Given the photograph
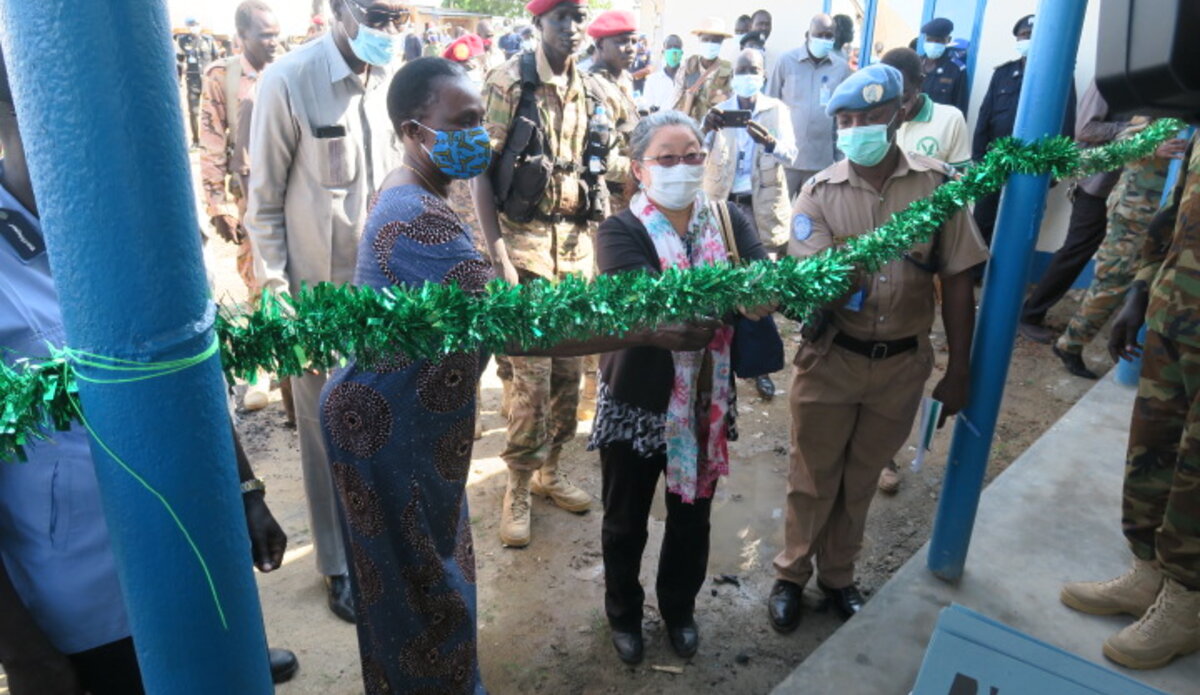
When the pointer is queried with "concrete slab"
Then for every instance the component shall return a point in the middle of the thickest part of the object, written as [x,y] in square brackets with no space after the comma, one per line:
[1053,516]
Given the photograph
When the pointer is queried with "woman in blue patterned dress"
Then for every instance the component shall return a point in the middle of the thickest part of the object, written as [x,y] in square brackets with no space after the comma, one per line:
[398,430]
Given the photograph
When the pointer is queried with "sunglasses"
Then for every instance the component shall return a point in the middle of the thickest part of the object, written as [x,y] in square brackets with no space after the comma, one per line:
[669,160]
[376,18]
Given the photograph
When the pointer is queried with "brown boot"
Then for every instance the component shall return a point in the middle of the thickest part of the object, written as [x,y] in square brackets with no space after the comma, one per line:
[1131,593]
[587,398]
[889,478]
[1170,628]
[514,515]
[550,482]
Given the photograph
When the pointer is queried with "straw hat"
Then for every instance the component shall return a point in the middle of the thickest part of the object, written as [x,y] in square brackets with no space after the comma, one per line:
[712,25]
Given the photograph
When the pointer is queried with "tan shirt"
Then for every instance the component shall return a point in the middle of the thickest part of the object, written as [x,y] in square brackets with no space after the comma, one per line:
[320,144]
[898,301]
[219,161]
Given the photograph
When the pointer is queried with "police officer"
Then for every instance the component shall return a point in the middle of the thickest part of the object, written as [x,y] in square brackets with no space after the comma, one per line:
[859,381]
[551,245]
[193,52]
[998,113]
[945,75]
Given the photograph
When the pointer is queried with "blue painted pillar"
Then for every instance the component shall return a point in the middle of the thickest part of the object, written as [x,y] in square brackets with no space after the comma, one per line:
[827,6]
[927,11]
[99,108]
[1040,113]
[866,53]
[976,34]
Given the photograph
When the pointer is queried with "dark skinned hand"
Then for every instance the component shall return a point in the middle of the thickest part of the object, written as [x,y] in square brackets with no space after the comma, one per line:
[685,337]
[228,228]
[953,391]
[715,120]
[1123,342]
[760,135]
[51,674]
[267,539]
[1171,149]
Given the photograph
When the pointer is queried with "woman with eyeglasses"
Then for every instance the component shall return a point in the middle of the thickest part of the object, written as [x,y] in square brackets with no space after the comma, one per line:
[663,412]
[399,430]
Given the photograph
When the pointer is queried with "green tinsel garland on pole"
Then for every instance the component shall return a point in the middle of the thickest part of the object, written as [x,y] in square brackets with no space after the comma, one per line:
[322,325]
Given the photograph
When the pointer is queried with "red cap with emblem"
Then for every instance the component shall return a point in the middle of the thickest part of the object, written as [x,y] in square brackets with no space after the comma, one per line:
[463,48]
[541,7]
[611,23]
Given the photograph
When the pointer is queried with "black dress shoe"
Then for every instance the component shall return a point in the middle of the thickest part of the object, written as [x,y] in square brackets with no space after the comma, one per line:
[1073,361]
[685,639]
[847,601]
[629,646]
[784,605]
[766,387]
[283,665]
[341,602]
[1036,332]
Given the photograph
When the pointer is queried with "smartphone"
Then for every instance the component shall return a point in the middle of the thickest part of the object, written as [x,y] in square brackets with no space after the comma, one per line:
[736,118]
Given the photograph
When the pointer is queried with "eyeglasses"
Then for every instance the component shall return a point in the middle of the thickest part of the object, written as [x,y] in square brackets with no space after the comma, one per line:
[376,18]
[669,160]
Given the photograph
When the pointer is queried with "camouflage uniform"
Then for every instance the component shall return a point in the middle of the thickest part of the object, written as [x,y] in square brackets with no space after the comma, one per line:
[716,87]
[1131,206]
[545,389]
[1161,497]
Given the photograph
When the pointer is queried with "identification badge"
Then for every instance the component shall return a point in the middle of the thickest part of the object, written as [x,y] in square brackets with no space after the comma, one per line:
[801,227]
[20,233]
[855,303]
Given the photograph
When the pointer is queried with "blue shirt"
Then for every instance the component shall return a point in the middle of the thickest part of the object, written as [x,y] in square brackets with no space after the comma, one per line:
[53,538]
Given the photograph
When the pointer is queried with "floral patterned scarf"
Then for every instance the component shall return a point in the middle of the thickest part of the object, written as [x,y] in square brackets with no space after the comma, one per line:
[697,432]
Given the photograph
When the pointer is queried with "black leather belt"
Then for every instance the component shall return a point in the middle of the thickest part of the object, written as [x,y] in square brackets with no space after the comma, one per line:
[878,349]
[741,198]
[556,218]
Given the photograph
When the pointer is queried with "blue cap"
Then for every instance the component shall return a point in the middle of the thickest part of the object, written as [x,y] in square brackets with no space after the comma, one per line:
[873,85]
[938,27]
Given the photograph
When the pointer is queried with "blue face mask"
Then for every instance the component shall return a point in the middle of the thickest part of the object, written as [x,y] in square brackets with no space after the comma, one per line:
[373,46]
[710,49]
[460,154]
[820,48]
[746,85]
[864,145]
[933,51]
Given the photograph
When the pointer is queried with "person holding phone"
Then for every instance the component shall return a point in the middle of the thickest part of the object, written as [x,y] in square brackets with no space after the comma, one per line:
[750,140]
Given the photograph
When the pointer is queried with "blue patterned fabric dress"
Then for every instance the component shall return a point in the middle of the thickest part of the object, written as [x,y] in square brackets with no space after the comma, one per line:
[399,440]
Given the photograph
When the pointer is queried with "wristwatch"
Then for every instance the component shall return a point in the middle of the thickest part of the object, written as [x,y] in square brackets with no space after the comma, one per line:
[253,485]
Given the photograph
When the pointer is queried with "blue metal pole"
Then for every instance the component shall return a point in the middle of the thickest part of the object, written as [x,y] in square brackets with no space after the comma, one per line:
[927,11]
[1040,113]
[99,108]
[976,33]
[827,6]
[868,38]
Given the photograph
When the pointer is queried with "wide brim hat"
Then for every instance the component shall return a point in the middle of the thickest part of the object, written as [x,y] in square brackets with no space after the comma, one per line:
[712,25]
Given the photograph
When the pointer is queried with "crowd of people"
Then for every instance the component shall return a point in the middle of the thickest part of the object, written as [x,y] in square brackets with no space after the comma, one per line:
[374,155]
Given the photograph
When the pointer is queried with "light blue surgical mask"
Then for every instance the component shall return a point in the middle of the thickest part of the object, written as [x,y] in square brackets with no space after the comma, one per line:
[933,50]
[710,49]
[746,86]
[820,48]
[1023,47]
[865,145]
[373,46]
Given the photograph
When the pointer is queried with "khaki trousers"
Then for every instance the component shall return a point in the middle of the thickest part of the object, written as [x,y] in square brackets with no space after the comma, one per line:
[323,517]
[850,415]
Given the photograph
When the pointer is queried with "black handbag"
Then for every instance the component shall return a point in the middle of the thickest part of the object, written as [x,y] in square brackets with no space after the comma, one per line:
[757,347]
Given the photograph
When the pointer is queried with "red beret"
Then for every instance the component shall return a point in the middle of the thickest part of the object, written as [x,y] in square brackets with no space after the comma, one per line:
[463,48]
[611,23]
[541,7]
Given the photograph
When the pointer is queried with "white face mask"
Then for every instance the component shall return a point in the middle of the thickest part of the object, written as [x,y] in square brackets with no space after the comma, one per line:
[674,188]
[1023,47]
[710,49]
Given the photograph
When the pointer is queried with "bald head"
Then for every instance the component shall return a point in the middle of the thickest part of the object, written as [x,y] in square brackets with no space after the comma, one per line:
[822,26]
[749,62]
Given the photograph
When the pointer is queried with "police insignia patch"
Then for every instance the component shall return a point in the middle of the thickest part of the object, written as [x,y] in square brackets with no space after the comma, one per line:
[872,93]
[801,227]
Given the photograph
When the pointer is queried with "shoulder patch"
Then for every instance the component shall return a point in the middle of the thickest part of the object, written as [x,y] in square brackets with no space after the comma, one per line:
[801,227]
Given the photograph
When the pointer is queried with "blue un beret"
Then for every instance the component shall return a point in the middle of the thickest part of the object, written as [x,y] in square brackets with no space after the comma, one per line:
[873,85]
[938,27]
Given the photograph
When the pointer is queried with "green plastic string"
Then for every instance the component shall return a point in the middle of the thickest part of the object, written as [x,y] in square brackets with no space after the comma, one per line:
[322,326]
[147,370]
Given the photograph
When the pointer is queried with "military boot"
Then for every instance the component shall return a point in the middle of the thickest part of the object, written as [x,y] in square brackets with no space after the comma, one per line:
[1131,593]
[587,398]
[1170,628]
[550,482]
[514,515]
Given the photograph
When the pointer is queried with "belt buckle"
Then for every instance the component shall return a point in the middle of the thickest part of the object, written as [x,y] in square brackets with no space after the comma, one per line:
[879,351]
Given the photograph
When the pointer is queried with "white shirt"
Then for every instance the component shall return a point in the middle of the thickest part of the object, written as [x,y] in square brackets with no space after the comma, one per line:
[320,145]
[938,131]
[785,145]
[659,91]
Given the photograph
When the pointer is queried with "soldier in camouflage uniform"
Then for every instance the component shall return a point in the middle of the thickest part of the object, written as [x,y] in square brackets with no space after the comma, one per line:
[1131,205]
[1161,498]
[545,390]
[703,80]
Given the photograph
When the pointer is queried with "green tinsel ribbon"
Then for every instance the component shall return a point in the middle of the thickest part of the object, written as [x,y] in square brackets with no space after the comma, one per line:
[323,325]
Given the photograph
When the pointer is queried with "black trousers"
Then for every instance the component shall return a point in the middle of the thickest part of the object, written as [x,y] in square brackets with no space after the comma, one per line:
[110,669]
[629,482]
[1089,219]
[984,213]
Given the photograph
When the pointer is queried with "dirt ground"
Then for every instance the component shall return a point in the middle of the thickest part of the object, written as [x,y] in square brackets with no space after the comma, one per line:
[541,621]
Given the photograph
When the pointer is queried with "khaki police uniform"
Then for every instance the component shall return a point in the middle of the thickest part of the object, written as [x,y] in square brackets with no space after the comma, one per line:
[852,412]
[545,390]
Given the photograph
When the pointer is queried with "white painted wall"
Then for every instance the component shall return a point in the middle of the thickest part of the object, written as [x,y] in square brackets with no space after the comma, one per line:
[217,15]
